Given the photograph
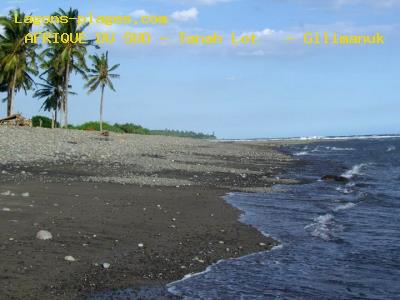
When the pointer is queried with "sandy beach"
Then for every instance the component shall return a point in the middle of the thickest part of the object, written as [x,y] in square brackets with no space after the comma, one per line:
[149,206]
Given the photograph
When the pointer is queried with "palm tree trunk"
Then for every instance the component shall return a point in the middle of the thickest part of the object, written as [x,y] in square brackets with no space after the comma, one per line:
[55,117]
[101,108]
[65,104]
[52,119]
[10,95]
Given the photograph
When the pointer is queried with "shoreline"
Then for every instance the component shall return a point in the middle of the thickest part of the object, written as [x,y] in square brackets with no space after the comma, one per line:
[114,194]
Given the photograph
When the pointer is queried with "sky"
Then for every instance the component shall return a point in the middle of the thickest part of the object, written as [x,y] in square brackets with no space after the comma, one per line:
[276,88]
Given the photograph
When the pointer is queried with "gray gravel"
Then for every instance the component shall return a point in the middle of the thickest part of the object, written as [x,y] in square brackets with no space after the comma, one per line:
[137,159]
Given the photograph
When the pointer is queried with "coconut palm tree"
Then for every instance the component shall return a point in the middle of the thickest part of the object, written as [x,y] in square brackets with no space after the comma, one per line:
[66,58]
[17,58]
[100,76]
[52,91]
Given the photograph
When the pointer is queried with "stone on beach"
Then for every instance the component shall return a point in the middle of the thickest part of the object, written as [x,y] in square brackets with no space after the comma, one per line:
[6,209]
[44,235]
[106,265]
[69,258]
[25,194]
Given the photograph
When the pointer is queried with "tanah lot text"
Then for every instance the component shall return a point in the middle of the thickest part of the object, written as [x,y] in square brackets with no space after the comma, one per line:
[138,38]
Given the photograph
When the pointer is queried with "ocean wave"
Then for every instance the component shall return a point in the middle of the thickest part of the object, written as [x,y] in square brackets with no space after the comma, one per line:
[322,227]
[355,170]
[340,149]
[391,148]
[345,190]
[277,247]
[301,153]
[321,148]
[172,286]
[355,137]
[344,206]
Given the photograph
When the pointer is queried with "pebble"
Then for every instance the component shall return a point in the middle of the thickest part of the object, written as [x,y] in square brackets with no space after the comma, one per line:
[106,265]
[140,245]
[25,194]
[44,235]
[69,258]
[6,209]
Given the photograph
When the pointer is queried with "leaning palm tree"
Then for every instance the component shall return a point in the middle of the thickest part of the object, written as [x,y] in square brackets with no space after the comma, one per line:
[17,58]
[65,58]
[100,76]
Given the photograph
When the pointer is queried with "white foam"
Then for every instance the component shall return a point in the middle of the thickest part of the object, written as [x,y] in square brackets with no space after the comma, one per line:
[321,227]
[306,138]
[356,170]
[301,153]
[171,288]
[391,148]
[324,219]
[278,247]
[340,149]
[357,137]
[344,206]
[344,190]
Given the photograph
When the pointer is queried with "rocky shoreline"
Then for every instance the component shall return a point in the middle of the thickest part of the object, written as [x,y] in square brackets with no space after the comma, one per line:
[149,206]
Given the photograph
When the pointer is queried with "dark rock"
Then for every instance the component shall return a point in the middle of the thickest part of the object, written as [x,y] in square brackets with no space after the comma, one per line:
[335,178]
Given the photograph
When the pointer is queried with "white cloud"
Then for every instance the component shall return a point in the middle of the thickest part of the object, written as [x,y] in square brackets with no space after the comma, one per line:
[261,34]
[139,13]
[185,15]
[252,53]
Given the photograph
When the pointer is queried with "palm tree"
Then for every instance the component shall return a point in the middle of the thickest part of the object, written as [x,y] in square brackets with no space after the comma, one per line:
[100,76]
[65,58]
[17,58]
[52,91]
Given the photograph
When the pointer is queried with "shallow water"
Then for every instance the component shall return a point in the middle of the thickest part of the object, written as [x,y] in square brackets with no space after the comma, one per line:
[339,241]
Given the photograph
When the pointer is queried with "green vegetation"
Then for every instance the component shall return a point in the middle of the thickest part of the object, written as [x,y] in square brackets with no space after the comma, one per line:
[100,76]
[61,59]
[181,133]
[130,128]
[133,129]
[17,59]
[41,121]
[95,126]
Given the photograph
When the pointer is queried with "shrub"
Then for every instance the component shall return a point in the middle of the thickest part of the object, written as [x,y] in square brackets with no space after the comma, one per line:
[46,122]
[132,128]
[182,133]
[96,127]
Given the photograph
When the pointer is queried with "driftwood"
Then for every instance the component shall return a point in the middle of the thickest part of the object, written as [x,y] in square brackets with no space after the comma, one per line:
[16,120]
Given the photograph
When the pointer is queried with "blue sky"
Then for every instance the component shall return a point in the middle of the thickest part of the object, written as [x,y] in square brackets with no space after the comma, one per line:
[273,89]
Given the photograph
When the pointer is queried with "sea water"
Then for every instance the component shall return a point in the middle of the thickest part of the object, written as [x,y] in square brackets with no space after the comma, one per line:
[338,240]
